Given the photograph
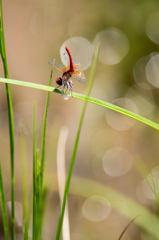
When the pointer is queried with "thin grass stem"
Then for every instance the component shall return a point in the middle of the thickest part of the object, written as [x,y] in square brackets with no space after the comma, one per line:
[90,83]
[10,116]
[3,208]
[34,172]
[24,179]
[127,227]
[44,130]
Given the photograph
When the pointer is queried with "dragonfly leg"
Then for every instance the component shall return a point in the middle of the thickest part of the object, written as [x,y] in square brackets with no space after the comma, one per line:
[58,86]
[71,86]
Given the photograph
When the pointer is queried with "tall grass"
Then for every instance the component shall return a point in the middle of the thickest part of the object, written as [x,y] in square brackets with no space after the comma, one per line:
[25,192]
[10,116]
[40,190]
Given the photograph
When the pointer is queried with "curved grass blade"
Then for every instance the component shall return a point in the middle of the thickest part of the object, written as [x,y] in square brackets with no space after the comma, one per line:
[127,227]
[85,98]
[10,116]
[90,83]
[87,188]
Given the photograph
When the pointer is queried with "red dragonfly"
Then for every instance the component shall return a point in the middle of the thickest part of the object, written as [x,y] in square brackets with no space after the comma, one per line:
[68,71]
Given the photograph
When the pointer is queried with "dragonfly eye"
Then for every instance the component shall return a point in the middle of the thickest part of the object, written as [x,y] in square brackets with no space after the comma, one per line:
[59,81]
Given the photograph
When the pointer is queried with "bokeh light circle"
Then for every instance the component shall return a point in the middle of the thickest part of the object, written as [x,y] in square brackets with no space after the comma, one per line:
[141,195]
[119,121]
[81,49]
[152,27]
[139,70]
[152,70]
[114,45]
[145,105]
[96,208]
[148,189]
[117,161]
[105,139]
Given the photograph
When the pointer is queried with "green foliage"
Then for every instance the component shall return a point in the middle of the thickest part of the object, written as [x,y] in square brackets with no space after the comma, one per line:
[148,220]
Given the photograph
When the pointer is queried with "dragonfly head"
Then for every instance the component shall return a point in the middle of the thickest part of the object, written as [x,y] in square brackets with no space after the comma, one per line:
[59,81]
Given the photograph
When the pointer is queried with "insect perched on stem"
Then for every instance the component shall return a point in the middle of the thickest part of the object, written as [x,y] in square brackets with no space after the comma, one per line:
[68,72]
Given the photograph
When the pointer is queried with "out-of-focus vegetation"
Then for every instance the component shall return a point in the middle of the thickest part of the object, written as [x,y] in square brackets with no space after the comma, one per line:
[114,151]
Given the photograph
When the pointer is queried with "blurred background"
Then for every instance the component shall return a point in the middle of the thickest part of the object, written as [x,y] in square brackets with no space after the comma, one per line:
[127,75]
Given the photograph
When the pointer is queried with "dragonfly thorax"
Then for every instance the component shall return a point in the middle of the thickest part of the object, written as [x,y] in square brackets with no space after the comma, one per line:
[66,76]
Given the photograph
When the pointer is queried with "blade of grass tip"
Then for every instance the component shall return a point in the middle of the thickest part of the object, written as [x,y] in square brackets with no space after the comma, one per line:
[3,208]
[34,172]
[10,116]
[127,227]
[117,109]
[24,180]
[44,129]
[85,98]
[90,83]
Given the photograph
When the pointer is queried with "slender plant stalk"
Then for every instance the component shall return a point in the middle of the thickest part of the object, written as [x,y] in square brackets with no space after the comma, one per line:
[10,115]
[3,208]
[24,179]
[44,131]
[85,98]
[41,199]
[38,195]
[90,83]
[127,227]
[34,173]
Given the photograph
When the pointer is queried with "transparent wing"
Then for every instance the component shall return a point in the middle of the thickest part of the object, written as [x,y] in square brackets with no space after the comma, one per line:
[79,76]
[76,63]
[59,66]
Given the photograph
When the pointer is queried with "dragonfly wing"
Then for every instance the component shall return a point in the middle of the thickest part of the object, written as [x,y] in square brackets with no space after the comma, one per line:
[79,76]
[59,66]
[75,66]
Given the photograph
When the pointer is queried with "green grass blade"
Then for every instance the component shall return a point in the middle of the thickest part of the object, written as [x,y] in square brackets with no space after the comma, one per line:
[3,208]
[38,195]
[90,83]
[85,98]
[44,131]
[117,109]
[10,116]
[34,172]
[24,179]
